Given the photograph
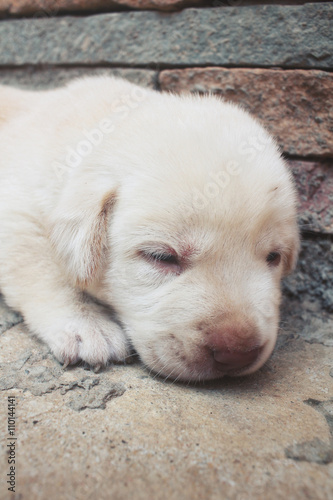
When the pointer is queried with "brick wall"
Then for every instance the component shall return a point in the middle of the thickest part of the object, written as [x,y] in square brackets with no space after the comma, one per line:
[276,59]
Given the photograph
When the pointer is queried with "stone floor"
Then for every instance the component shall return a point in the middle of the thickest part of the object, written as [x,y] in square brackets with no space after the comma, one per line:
[123,433]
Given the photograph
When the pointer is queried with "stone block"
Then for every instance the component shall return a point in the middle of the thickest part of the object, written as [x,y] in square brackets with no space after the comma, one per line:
[314,182]
[259,35]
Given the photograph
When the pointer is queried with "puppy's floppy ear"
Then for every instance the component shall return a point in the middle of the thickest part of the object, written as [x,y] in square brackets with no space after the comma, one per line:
[79,227]
[290,258]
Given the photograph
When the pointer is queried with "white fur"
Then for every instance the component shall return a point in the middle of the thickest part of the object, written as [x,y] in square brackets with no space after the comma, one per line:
[95,175]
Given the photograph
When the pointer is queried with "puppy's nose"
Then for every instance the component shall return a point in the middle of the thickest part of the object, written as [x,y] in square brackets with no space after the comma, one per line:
[235,360]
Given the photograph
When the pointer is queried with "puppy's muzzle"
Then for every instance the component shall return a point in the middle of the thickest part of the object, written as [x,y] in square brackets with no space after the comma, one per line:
[234,345]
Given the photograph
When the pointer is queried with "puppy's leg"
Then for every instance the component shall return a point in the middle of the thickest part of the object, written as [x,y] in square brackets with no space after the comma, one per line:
[34,283]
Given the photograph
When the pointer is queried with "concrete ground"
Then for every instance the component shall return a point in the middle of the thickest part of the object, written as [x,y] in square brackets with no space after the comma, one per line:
[123,433]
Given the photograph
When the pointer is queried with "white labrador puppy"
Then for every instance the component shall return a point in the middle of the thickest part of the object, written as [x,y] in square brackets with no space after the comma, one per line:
[177,212]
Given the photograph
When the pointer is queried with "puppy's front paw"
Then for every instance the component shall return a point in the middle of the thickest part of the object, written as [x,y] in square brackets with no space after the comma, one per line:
[93,338]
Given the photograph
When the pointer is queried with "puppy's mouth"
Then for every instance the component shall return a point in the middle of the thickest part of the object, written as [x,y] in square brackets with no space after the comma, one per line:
[209,365]
[235,363]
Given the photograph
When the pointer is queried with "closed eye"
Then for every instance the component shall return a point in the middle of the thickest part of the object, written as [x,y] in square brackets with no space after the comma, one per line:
[165,258]
[166,261]
[273,259]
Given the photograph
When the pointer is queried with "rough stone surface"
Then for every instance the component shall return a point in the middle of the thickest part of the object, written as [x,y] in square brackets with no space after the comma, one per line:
[37,372]
[311,451]
[318,329]
[8,317]
[289,36]
[252,438]
[316,450]
[314,182]
[43,78]
[295,105]
[55,7]
[311,285]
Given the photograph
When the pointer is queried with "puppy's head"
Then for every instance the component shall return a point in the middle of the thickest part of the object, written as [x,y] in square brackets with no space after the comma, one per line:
[202,230]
